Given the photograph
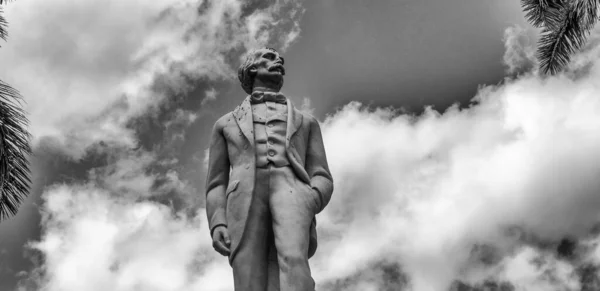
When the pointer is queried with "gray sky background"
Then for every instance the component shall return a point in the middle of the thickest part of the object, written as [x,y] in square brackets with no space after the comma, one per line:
[84,69]
[392,52]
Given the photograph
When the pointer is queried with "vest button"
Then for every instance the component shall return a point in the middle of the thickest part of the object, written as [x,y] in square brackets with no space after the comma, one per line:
[271,153]
[246,146]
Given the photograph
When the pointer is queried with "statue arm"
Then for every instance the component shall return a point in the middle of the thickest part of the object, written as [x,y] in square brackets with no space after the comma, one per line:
[217,178]
[316,165]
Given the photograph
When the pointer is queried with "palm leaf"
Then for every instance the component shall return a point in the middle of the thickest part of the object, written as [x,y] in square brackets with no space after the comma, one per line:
[3,25]
[558,43]
[542,13]
[588,12]
[566,36]
[14,144]
[14,152]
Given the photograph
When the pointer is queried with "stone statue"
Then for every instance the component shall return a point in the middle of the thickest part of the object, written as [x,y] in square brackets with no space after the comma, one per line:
[267,179]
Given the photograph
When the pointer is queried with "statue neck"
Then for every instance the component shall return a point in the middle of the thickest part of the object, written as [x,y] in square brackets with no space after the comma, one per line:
[266,87]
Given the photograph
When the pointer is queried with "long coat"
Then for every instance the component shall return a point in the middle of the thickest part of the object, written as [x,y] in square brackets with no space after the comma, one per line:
[232,165]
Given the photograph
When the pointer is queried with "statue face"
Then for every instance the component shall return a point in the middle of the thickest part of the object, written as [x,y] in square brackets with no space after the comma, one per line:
[268,66]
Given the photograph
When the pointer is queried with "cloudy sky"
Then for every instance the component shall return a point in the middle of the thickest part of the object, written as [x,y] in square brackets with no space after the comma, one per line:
[454,163]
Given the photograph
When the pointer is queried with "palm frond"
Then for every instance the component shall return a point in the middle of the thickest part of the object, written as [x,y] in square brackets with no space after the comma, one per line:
[14,152]
[3,25]
[587,10]
[558,43]
[542,13]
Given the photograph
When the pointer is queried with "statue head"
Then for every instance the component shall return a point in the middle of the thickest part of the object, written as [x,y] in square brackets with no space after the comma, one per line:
[264,65]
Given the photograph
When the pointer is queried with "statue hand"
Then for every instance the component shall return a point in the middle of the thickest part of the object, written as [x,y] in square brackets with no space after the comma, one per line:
[221,240]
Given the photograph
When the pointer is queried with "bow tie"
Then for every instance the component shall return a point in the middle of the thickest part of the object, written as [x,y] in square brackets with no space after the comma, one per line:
[260,97]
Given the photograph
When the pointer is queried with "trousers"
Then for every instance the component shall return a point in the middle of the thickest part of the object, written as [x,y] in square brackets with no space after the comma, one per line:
[273,255]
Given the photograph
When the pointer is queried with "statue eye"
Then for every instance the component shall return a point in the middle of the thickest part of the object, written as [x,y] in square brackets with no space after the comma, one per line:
[270,56]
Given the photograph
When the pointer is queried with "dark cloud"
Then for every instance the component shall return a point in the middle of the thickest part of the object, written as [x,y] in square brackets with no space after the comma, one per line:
[384,276]
[125,145]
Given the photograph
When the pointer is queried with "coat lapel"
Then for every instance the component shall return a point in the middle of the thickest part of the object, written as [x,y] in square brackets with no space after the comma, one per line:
[243,117]
[293,123]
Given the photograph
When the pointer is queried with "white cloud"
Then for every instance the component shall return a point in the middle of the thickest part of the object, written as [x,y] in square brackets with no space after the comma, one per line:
[205,159]
[179,122]
[86,69]
[210,95]
[294,32]
[547,275]
[519,55]
[125,172]
[94,241]
[424,191]
[306,106]
[134,174]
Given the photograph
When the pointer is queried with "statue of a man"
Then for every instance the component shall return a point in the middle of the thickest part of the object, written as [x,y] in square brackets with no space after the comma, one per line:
[267,179]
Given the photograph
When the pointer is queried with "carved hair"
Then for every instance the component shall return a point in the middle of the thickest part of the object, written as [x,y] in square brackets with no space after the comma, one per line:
[244,75]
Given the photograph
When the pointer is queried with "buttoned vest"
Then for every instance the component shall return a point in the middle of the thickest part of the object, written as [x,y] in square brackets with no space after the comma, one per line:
[270,125]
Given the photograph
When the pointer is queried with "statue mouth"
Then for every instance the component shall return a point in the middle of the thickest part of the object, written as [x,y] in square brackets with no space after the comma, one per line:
[277,68]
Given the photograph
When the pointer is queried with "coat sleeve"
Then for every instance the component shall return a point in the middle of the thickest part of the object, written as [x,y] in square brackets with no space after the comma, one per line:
[217,178]
[316,164]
